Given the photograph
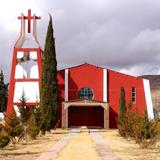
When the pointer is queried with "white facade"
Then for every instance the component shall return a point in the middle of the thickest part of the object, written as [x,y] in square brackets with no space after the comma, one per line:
[148,98]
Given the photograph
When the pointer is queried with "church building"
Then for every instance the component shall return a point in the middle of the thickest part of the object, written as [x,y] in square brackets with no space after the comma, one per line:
[88,95]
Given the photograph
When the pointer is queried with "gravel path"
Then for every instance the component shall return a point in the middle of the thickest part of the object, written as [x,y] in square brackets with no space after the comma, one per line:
[80,144]
[80,147]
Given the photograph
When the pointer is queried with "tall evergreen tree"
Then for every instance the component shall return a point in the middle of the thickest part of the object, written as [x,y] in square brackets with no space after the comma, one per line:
[122,102]
[49,87]
[3,93]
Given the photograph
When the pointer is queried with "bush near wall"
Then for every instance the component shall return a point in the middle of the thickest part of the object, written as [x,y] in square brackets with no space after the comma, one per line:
[138,127]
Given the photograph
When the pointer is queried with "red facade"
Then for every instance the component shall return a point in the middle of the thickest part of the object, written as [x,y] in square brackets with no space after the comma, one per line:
[85,76]
[90,76]
[115,82]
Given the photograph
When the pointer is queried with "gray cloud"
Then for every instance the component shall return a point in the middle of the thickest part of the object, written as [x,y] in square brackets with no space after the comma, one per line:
[123,35]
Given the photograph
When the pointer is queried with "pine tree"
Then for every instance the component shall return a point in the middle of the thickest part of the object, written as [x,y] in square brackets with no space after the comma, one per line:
[3,93]
[49,87]
[25,111]
[25,114]
[15,129]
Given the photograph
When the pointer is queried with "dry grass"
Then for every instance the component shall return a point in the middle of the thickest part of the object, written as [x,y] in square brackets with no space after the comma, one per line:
[79,148]
[34,148]
[127,149]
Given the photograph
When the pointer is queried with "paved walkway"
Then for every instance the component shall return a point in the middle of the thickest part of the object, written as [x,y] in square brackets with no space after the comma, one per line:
[80,147]
[80,144]
[52,153]
[101,147]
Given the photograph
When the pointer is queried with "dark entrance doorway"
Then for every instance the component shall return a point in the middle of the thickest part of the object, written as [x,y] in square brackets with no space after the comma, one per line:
[91,116]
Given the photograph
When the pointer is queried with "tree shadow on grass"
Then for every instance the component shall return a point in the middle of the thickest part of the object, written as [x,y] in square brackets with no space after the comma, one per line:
[59,132]
[20,154]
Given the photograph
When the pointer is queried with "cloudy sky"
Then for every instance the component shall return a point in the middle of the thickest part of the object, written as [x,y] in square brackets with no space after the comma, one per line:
[123,35]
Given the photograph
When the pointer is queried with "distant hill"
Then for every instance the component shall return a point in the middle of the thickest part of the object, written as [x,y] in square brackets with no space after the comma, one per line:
[154,81]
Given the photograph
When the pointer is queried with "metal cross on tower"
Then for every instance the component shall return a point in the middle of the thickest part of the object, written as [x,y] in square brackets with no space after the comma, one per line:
[29,18]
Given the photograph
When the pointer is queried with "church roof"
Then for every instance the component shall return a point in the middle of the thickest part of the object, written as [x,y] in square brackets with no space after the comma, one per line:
[83,64]
[87,64]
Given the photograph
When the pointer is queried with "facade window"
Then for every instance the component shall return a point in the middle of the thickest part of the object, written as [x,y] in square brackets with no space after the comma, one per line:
[133,95]
[85,93]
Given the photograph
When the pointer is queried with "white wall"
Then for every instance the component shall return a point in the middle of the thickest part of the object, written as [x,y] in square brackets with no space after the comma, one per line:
[31,90]
[148,98]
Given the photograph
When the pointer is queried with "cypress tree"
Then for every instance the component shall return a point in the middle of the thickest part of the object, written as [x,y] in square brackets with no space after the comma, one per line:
[3,93]
[122,102]
[49,87]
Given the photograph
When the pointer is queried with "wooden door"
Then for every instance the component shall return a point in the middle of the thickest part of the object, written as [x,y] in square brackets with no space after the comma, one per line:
[86,116]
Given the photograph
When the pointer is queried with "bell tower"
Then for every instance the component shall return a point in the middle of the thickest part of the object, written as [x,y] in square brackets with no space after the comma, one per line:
[26,68]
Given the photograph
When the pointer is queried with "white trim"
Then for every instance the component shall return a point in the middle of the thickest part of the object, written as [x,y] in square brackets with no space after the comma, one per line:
[148,97]
[66,85]
[105,85]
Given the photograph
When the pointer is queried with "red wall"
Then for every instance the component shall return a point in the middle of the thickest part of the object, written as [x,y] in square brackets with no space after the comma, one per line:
[91,76]
[85,76]
[80,76]
[61,94]
[115,81]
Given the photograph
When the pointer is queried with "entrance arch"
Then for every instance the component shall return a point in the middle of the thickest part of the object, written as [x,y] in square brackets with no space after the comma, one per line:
[88,110]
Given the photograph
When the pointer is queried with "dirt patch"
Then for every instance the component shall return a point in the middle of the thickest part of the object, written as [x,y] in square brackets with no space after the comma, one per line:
[33,148]
[127,149]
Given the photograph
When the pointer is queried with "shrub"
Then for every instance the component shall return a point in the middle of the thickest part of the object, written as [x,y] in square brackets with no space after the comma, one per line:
[4,140]
[33,129]
[15,129]
[140,128]
[125,123]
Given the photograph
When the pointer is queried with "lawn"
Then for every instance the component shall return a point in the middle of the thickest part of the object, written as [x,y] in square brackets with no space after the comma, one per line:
[33,148]
[129,150]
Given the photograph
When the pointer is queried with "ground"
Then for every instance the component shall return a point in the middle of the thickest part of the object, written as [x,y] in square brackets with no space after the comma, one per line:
[80,147]
[127,149]
[34,148]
